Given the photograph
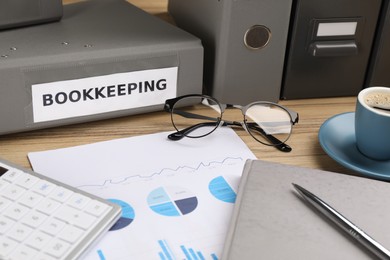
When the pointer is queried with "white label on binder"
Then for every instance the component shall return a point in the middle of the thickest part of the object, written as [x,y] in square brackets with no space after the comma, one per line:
[102,94]
[337,29]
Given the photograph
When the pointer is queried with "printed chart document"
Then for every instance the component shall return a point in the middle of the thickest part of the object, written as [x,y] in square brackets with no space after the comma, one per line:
[177,197]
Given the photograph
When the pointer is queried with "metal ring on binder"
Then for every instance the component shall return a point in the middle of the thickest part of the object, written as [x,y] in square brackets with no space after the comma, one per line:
[257,37]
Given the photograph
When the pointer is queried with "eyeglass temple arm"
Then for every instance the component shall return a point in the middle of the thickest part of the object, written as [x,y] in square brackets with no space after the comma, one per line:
[182,133]
[191,115]
[277,143]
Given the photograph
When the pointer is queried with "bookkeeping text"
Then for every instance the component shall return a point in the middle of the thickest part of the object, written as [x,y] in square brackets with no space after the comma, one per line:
[103,92]
[98,95]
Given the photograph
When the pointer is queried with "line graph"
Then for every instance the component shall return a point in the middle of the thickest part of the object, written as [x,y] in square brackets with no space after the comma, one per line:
[163,171]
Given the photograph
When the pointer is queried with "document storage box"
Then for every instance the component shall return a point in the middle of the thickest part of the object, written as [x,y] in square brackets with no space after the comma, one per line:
[330,46]
[378,73]
[244,43]
[103,59]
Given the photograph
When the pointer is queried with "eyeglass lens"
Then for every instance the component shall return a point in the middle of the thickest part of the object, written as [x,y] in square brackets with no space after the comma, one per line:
[201,114]
[198,116]
[268,123]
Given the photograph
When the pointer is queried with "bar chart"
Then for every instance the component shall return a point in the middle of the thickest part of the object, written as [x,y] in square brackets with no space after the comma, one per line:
[190,253]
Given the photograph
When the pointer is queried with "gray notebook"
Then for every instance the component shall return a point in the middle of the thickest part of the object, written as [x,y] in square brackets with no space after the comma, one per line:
[271,221]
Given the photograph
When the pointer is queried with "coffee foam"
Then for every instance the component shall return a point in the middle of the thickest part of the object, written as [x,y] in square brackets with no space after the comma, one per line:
[378,100]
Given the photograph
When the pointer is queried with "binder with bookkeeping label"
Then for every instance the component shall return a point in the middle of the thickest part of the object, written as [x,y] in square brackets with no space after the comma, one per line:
[103,59]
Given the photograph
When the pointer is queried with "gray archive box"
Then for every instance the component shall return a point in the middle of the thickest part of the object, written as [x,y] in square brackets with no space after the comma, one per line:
[103,59]
[378,73]
[15,13]
[330,46]
[244,43]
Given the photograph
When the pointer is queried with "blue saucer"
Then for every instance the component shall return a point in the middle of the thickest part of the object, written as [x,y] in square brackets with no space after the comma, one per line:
[337,138]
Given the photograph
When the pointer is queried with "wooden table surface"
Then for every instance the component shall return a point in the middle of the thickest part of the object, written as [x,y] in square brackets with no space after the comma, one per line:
[306,152]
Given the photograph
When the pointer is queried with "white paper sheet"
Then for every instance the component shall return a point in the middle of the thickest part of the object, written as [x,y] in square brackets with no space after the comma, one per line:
[177,197]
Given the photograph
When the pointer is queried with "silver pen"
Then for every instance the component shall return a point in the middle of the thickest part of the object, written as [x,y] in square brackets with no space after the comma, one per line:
[380,251]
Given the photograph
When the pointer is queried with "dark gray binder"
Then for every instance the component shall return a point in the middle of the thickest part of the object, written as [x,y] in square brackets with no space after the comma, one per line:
[94,39]
[271,221]
[244,42]
[378,73]
[329,47]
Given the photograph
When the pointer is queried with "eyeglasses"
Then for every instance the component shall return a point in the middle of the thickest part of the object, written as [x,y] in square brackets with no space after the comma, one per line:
[197,115]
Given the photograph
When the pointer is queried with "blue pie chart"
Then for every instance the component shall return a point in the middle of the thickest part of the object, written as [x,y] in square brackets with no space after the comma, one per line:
[222,190]
[172,201]
[127,217]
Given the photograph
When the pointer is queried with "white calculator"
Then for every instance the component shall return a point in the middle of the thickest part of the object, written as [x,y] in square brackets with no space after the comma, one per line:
[44,219]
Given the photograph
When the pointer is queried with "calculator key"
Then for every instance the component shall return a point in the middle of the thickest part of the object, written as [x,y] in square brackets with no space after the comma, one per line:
[43,187]
[11,175]
[78,201]
[26,180]
[30,199]
[71,234]
[38,239]
[4,202]
[5,224]
[16,211]
[47,206]
[6,246]
[52,226]
[13,192]
[19,232]
[23,252]
[33,219]
[3,184]
[61,194]
[75,217]
[57,248]
[96,208]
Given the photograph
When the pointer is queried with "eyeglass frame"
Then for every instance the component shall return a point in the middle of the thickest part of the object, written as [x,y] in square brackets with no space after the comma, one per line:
[170,103]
